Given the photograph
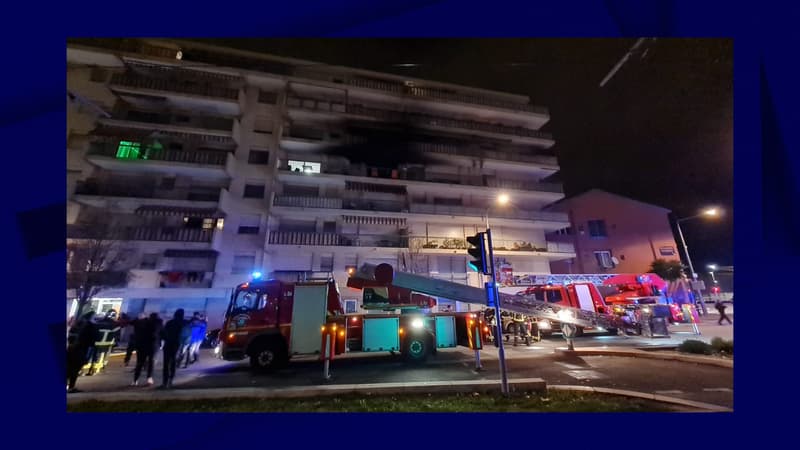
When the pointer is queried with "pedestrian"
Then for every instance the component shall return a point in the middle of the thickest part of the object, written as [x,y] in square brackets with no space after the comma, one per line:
[148,335]
[171,335]
[199,326]
[722,316]
[132,338]
[80,343]
[185,342]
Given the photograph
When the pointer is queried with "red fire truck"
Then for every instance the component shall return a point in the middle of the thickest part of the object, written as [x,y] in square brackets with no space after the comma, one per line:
[270,321]
[584,296]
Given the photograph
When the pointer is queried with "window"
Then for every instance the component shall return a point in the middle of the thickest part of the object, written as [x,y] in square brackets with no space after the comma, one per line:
[604,259]
[149,261]
[253,191]
[329,227]
[249,224]
[597,228]
[258,157]
[305,166]
[267,97]
[301,191]
[133,150]
[182,119]
[326,263]
[243,264]
[350,306]
[175,146]
[209,223]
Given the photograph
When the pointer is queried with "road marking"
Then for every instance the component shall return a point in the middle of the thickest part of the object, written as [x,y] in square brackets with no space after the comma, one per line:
[672,392]
[585,374]
[717,390]
[569,366]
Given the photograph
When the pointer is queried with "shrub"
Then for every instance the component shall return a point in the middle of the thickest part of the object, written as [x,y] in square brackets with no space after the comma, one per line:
[696,347]
[722,346]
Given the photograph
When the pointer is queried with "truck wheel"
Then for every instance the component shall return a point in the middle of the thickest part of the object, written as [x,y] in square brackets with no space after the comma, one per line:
[612,331]
[267,356]
[417,348]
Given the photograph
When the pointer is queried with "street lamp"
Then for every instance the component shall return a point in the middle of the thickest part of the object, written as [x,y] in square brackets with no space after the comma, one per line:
[712,268]
[502,200]
[708,212]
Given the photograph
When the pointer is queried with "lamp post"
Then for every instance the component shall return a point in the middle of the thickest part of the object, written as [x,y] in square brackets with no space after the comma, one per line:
[708,212]
[712,268]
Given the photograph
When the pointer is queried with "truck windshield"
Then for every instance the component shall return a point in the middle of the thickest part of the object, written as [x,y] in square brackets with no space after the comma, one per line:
[247,301]
[548,295]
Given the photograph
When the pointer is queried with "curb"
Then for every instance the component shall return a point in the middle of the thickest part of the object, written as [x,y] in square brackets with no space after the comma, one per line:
[726,363]
[484,386]
[655,397]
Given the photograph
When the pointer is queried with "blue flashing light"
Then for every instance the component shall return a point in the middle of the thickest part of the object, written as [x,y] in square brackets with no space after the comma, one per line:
[256,275]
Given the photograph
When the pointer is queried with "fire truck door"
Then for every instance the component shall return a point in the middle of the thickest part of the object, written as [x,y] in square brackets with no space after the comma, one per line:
[308,315]
[584,297]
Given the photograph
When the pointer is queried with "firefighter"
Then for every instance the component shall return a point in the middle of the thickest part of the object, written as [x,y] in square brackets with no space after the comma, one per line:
[81,341]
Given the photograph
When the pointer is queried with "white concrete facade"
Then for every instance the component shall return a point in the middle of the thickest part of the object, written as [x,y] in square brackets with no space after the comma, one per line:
[234,176]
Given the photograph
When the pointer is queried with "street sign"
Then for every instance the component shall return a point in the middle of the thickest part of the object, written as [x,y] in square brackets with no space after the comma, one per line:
[490,294]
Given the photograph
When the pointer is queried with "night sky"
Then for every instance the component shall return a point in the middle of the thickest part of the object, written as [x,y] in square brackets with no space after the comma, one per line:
[661,131]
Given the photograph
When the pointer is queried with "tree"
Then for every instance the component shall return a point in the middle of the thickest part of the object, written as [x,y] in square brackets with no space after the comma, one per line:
[416,261]
[668,270]
[96,259]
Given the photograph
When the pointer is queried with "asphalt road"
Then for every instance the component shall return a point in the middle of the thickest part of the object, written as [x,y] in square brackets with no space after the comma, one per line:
[697,382]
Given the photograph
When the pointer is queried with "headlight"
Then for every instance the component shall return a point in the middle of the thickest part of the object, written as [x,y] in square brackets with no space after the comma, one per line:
[565,315]
[544,324]
[416,323]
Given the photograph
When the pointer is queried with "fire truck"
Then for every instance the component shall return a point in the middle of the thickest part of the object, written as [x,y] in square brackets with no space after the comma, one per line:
[270,322]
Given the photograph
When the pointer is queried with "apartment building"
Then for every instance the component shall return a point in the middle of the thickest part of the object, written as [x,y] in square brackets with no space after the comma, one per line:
[613,234]
[214,163]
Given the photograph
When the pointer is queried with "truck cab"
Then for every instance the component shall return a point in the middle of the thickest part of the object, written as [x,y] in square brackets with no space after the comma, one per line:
[577,295]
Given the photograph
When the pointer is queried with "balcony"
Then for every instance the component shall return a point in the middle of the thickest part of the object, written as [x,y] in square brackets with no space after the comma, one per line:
[439,94]
[452,150]
[210,129]
[130,156]
[143,233]
[307,202]
[471,211]
[336,240]
[521,134]
[181,89]
[434,244]
[435,177]
[169,234]
[185,279]
[95,188]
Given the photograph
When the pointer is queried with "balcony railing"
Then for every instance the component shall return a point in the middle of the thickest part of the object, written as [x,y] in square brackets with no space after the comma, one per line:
[415,118]
[168,85]
[201,157]
[437,94]
[172,234]
[138,191]
[185,279]
[209,123]
[308,202]
[336,240]
[450,243]
[455,210]
[144,233]
[483,153]
[126,45]
[434,177]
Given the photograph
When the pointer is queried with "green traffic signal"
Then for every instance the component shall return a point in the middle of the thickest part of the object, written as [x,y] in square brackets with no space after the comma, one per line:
[478,251]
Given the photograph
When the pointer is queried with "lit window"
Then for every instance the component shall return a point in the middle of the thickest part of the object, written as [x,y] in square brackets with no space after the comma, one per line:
[305,166]
[129,150]
[604,259]
[208,224]
[220,223]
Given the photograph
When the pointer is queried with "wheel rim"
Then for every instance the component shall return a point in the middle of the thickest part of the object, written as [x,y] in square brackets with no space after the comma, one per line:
[265,358]
[416,348]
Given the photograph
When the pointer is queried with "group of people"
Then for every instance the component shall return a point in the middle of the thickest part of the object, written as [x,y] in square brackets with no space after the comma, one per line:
[179,338]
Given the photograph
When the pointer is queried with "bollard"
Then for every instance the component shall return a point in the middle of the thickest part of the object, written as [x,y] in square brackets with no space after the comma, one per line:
[478,366]
[327,366]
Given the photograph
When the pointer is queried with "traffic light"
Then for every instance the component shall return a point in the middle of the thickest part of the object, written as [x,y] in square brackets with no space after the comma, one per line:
[479,253]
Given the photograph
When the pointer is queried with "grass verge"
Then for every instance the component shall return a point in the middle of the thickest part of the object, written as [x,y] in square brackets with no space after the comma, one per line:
[553,401]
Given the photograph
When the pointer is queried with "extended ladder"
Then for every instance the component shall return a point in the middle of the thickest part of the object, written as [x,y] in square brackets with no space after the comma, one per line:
[523,304]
